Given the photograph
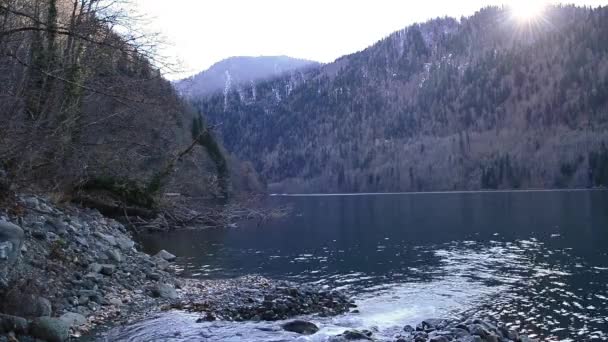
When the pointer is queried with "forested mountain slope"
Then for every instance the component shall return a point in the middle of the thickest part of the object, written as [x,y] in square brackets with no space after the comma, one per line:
[486,102]
[84,106]
[230,73]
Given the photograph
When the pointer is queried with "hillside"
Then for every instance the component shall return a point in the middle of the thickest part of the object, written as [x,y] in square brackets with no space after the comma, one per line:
[233,72]
[487,102]
[85,108]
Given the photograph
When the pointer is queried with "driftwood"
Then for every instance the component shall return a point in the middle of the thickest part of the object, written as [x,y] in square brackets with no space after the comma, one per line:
[114,209]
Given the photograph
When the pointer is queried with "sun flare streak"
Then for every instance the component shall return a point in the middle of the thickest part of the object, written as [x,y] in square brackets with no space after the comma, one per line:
[527,10]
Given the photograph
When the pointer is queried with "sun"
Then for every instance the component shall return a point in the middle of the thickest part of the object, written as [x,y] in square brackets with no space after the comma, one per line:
[527,10]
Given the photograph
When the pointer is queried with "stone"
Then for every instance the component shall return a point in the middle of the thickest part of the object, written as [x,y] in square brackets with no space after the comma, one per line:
[525,338]
[95,267]
[107,269]
[111,240]
[39,234]
[439,339]
[11,240]
[115,301]
[50,329]
[508,333]
[477,329]
[73,319]
[82,241]
[165,255]
[114,255]
[125,243]
[300,327]
[90,295]
[165,291]
[161,264]
[153,276]
[5,183]
[10,323]
[432,324]
[353,335]
[22,305]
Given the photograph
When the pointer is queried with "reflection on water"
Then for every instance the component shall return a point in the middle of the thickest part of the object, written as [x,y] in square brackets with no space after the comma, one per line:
[536,260]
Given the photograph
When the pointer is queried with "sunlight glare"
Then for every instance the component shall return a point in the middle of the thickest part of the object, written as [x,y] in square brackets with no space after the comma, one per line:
[527,10]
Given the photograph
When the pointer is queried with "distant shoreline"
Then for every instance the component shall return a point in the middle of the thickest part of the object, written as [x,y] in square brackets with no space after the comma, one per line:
[434,192]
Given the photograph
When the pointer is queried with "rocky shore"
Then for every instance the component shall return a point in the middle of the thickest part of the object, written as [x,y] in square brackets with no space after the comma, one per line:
[430,330]
[66,269]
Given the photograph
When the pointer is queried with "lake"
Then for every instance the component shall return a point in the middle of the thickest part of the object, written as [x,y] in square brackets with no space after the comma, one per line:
[535,260]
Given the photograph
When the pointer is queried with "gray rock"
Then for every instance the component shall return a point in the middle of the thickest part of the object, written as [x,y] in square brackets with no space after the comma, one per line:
[11,240]
[114,255]
[164,291]
[300,327]
[107,269]
[82,241]
[432,324]
[354,335]
[73,319]
[95,267]
[22,305]
[161,264]
[477,329]
[39,234]
[50,329]
[165,255]
[13,323]
[111,240]
[125,243]
[153,276]
[471,338]
[115,302]
[5,184]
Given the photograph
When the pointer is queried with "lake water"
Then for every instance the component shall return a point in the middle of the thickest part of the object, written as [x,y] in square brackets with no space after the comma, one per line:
[536,260]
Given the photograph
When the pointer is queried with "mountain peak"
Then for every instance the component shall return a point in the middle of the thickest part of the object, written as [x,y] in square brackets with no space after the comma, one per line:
[234,71]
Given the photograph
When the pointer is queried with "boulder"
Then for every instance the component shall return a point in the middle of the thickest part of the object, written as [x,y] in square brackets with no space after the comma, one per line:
[300,327]
[11,240]
[73,319]
[24,305]
[165,255]
[13,323]
[164,291]
[50,329]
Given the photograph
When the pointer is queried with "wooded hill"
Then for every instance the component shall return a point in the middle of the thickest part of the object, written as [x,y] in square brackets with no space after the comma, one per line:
[84,106]
[485,102]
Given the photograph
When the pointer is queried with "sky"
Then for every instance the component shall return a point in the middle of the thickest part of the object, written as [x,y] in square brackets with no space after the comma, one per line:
[199,33]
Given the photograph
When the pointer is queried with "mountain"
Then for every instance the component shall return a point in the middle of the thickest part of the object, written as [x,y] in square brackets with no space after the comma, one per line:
[485,102]
[235,71]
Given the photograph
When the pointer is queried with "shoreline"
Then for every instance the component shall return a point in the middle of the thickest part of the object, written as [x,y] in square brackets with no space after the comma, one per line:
[68,271]
[65,270]
[436,192]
